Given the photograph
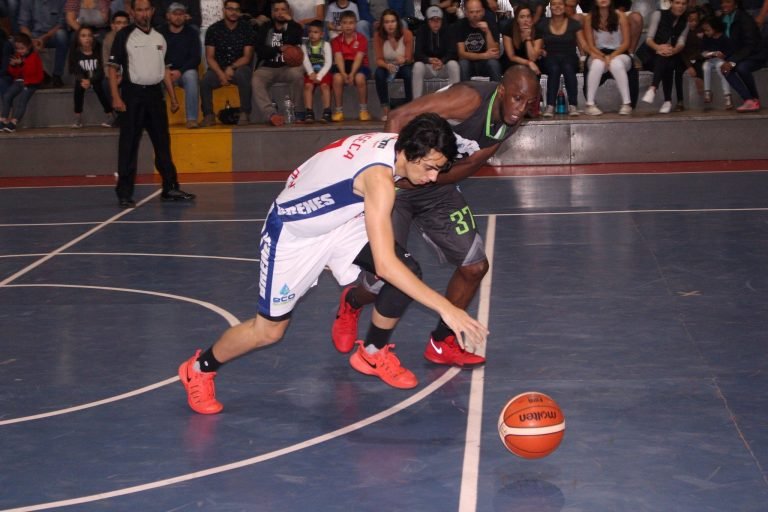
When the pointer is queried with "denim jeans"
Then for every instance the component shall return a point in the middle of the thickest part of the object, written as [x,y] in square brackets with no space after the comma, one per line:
[189,82]
[59,41]
[490,68]
[17,96]
[556,65]
[381,76]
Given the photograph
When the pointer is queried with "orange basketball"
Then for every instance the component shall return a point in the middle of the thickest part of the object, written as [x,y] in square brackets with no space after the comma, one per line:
[292,55]
[531,425]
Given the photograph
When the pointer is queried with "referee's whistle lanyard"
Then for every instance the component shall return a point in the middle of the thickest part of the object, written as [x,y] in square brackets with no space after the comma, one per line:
[499,135]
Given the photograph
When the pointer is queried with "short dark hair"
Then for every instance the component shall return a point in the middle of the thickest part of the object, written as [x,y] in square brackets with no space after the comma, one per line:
[121,14]
[424,133]
[317,24]
[715,22]
[347,14]
[22,38]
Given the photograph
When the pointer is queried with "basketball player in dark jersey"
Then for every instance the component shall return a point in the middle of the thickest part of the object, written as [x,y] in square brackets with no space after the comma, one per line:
[483,115]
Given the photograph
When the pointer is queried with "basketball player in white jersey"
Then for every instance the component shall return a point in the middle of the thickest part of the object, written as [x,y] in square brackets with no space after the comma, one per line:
[318,221]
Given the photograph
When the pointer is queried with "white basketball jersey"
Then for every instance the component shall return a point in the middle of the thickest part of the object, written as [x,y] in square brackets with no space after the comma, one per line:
[318,196]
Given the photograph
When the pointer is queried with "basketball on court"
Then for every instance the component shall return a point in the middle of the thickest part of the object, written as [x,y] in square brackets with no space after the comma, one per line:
[292,55]
[531,425]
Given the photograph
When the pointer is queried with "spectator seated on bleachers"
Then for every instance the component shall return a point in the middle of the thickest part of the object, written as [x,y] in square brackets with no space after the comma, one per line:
[350,58]
[280,30]
[26,70]
[714,47]
[606,32]
[477,43]
[87,67]
[522,45]
[393,47]
[667,32]
[183,58]
[318,59]
[229,52]
[435,53]
[305,11]
[560,35]
[192,15]
[748,54]
[43,21]
[333,14]
[93,13]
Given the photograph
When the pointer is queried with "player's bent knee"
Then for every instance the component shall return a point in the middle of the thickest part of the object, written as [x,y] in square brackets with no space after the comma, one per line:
[475,271]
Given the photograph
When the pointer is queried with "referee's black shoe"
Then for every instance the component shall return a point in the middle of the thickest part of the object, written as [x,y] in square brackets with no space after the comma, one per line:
[126,202]
[176,194]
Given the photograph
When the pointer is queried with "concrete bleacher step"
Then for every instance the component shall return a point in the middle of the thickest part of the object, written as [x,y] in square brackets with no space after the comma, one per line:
[562,140]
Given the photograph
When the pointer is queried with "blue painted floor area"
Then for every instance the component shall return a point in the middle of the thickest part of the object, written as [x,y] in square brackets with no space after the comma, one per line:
[639,302]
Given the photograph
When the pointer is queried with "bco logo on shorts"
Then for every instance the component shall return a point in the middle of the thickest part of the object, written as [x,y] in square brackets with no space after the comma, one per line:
[285,296]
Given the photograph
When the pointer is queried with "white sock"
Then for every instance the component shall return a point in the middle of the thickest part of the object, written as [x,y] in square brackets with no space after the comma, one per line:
[371,349]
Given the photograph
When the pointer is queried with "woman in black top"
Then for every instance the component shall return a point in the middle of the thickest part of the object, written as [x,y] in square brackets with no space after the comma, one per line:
[667,31]
[521,43]
[560,41]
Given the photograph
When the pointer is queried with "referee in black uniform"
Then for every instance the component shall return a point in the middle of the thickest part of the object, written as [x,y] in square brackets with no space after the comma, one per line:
[140,51]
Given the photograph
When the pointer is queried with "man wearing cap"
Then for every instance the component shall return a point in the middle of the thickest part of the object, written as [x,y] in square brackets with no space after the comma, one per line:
[435,54]
[140,51]
[183,57]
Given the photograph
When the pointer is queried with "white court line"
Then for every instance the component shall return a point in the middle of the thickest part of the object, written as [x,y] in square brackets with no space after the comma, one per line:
[69,244]
[519,214]
[470,471]
[413,399]
[142,254]
[229,317]
[91,223]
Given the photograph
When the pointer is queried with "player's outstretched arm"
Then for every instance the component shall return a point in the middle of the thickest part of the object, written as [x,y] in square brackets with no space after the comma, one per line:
[456,102]
[377,188]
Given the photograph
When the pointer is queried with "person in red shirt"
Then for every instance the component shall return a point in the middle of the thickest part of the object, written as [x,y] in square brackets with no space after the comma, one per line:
[26,70]
[350,56]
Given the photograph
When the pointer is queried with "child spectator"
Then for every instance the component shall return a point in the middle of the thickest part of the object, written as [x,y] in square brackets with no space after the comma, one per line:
[318,59]
[87,67]
[393,47]
[26,69]
[334,14]
[350,56]
[714,47]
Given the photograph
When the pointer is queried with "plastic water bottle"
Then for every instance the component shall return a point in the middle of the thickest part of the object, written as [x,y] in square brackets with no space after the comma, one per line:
[561,106]
[393,74]
[290,111]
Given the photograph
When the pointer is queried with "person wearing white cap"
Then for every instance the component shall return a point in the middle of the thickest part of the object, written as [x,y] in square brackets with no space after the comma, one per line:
[435,55]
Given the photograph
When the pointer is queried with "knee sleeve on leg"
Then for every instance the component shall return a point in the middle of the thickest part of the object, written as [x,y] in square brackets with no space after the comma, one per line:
[391,302]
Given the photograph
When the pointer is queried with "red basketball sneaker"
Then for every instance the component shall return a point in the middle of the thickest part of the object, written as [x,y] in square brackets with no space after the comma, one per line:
[385,365]
[201,392]
[344,330]
[449,352]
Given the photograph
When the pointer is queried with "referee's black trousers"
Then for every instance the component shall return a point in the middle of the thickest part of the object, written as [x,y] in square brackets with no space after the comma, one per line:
[144,110]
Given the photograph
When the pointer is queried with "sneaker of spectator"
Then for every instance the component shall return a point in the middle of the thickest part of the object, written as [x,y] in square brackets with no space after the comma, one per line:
[350,54]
